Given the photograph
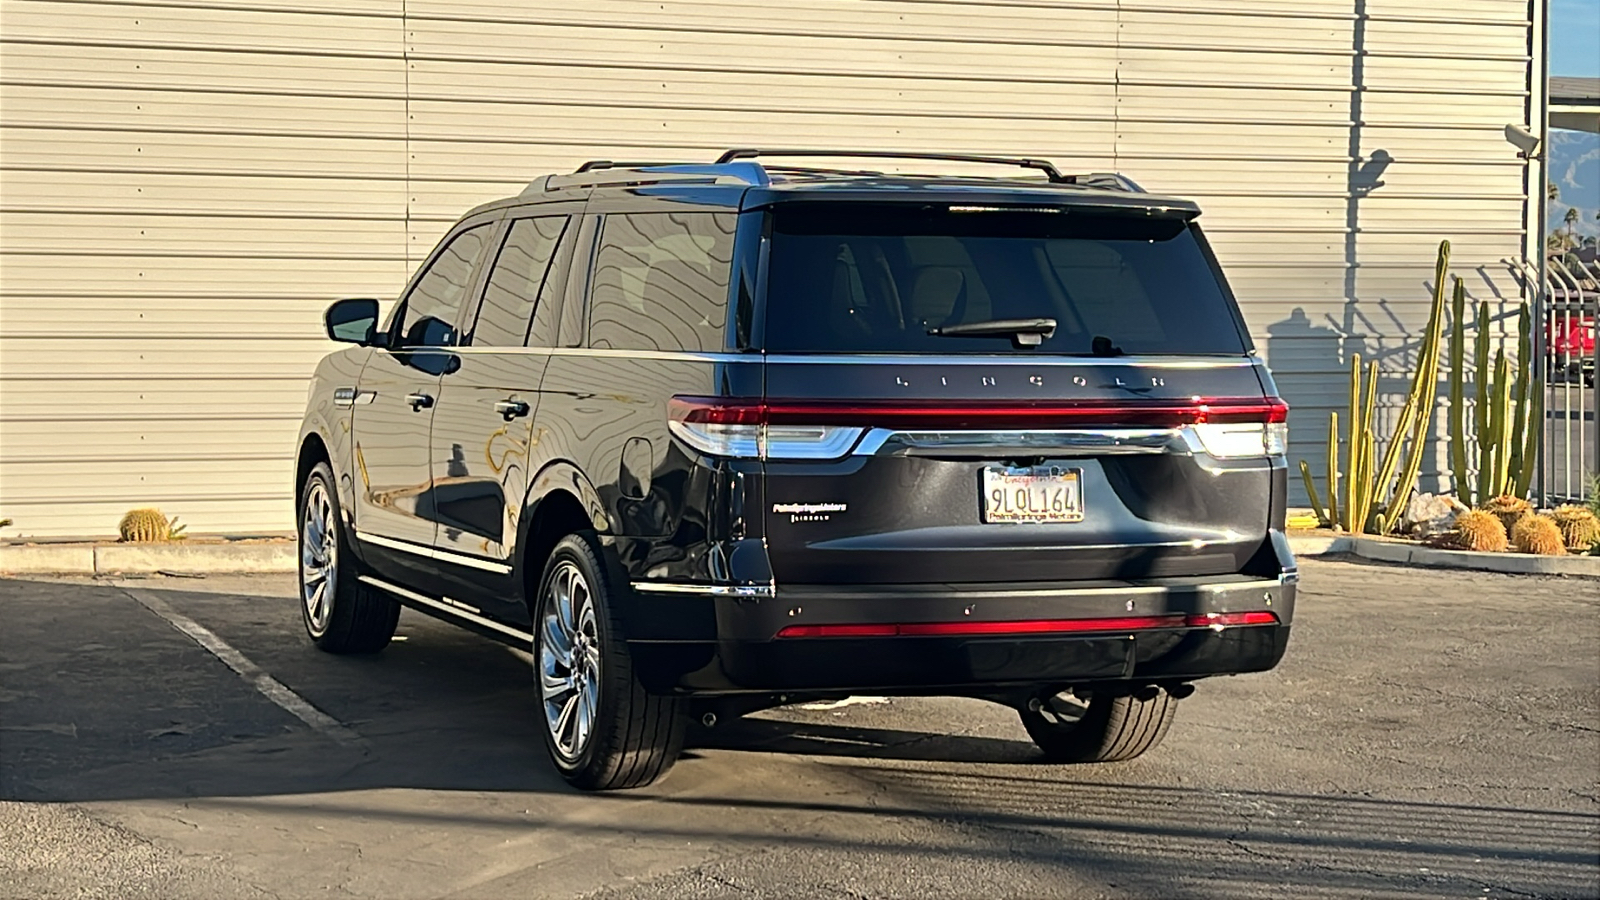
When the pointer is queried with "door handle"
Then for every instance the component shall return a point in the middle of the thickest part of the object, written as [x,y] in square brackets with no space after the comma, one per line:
[511,409]
[419,401]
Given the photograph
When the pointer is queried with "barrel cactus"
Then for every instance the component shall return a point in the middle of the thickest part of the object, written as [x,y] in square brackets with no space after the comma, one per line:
[1538,535]
[1509,509]
[1580,528]
[1479,530]
[148,524]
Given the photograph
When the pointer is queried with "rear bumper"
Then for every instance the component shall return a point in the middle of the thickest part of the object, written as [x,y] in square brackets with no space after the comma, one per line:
[1154,639]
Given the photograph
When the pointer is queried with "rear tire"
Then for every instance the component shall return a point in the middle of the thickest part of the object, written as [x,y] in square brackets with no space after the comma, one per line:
[603,730]
[1109,728]
[341,615]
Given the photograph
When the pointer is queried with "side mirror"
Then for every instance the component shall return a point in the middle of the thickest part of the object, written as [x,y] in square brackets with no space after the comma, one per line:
[353,321]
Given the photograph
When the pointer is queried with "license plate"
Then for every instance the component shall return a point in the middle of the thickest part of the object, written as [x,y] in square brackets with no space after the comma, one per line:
[1044,494]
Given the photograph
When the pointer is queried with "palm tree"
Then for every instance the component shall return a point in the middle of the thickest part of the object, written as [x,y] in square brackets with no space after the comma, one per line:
[1571,218]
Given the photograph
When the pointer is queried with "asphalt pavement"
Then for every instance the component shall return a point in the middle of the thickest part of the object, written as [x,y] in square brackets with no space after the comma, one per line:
[1430,734]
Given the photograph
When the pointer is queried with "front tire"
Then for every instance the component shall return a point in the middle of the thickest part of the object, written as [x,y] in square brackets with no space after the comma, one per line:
[340,614]
[1074,728]
[603,730]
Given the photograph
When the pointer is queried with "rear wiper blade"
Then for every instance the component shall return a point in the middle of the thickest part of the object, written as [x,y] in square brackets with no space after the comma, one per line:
[1024,332]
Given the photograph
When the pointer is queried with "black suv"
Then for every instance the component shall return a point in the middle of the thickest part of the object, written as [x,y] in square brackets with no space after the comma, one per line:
[715,438]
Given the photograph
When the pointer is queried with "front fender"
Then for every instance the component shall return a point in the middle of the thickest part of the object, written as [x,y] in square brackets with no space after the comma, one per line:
[331,424]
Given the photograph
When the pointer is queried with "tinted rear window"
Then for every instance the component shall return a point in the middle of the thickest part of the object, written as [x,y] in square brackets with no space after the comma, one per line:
[863,278]
[661,281]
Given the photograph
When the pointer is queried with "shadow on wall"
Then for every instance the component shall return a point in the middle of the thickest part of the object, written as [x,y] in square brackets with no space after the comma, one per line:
[1311,363]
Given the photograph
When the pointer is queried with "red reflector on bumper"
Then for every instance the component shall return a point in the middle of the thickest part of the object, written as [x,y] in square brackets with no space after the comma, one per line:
[1032,626]
[840,631]
[1209,620]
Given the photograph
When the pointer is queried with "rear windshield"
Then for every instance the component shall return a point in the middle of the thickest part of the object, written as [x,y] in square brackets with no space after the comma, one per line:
[879,278]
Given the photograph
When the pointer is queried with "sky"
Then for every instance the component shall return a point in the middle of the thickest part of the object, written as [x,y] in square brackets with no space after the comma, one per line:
[1575,155]
[1575,38]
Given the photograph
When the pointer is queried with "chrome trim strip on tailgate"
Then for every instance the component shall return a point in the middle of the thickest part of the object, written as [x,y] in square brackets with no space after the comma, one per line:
[974,359]
[1086,442]
[1018,359]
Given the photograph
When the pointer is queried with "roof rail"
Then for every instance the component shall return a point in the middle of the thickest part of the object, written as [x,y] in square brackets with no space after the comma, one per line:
[1110,181]
[1043,165]
[593,164]
[739,167]
[599,173]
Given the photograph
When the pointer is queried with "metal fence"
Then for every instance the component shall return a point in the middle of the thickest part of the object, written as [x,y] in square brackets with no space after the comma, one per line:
[1564,333]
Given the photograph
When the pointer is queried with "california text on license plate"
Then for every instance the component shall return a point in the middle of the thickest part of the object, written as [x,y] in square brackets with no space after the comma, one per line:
[1041,494]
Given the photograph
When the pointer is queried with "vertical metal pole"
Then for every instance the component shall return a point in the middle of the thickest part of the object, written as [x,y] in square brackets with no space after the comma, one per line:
[1540,118]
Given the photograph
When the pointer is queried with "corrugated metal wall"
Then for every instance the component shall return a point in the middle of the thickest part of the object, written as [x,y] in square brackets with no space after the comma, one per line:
[186,184]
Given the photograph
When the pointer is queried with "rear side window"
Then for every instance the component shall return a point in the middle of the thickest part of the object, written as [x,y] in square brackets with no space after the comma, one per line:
[879,278]
[661,282]
[516,285]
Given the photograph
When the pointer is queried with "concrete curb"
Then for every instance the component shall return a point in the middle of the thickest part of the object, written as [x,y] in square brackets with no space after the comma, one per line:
[1416,555]
[47,559]
[109,559]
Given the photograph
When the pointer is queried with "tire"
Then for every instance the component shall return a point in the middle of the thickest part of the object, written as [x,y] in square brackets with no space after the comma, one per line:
[340,614]
[632,737]
[1111,728]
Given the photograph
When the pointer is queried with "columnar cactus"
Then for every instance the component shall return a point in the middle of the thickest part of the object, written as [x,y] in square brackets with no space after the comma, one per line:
[1374,493]
[1507,413]
[1365,494]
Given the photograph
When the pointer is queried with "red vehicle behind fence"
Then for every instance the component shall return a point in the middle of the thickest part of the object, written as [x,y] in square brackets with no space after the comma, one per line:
[1570,338]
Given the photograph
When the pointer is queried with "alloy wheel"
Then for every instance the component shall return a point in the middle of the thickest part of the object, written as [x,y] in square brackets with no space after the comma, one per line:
[319,558]
[569,660]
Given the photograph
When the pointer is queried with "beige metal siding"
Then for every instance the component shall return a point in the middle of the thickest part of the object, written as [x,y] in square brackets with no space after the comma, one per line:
[184,186]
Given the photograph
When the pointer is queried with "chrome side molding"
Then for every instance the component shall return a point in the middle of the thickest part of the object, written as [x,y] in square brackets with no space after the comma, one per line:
[433,553]
[446,605]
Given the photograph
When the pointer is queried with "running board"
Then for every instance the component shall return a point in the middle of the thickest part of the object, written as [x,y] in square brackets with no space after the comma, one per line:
[445,605]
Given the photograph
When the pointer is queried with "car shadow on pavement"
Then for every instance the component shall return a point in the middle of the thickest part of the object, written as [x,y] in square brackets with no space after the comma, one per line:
[802,738]
[101,700]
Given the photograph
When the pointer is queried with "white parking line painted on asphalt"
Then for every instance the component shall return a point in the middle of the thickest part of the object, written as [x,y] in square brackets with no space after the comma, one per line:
[269,687]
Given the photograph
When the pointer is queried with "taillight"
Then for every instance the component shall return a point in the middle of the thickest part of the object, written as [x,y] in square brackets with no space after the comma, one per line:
[803,429]
[1263,431]
[746,429]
